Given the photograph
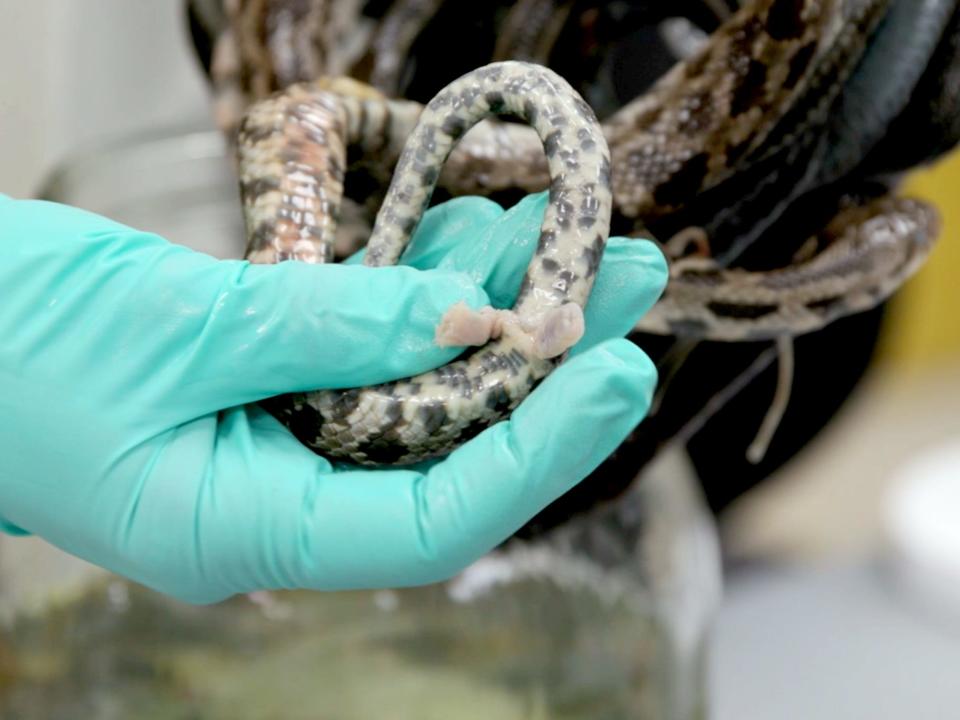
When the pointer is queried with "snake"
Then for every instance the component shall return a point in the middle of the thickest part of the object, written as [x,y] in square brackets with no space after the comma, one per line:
[758,100]
[292,158]
[737,100]
[869,251]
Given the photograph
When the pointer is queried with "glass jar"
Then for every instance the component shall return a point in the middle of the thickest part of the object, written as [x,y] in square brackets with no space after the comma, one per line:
[605,617]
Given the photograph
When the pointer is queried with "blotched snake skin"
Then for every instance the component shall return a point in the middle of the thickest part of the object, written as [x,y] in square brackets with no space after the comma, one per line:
[291,163]
[715,112]
[761,88]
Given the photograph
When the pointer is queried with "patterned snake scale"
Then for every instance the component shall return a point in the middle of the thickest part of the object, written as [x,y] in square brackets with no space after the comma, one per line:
[786,88]
[770,71]
[292,159]
[869,251]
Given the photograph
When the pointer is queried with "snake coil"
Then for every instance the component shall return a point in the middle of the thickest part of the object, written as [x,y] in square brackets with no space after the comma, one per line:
[291,149]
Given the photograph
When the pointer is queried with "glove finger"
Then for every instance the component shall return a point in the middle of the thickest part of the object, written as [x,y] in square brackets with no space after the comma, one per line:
[294,327]
[154,325]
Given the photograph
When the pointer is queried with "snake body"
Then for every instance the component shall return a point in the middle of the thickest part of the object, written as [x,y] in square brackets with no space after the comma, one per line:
[759,114]
[869,251]
[768,74]
[292,161]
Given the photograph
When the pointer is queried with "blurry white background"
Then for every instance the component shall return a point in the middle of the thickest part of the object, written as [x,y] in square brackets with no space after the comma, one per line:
[76,73]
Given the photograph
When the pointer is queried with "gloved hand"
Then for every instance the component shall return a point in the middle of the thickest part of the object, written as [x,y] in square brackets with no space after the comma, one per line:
[128,367]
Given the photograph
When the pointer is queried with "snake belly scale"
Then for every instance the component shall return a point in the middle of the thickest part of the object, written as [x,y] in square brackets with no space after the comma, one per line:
[291,150]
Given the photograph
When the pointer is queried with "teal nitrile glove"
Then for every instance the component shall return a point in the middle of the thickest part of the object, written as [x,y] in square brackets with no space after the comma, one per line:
[128,366]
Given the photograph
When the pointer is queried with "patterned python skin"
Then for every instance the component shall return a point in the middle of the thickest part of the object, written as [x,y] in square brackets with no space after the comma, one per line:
[870,250]
[784,97]
[292,157]
[768,74]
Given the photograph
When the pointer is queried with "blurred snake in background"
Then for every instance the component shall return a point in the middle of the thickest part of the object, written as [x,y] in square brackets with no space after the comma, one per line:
[784,100]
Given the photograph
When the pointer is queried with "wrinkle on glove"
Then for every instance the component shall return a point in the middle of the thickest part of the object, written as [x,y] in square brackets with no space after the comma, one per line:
[129,365]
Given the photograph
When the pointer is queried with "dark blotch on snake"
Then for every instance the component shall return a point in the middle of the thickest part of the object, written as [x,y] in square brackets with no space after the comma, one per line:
[558,120]
[735,152]
[335,168]
[429,176]
[785,19]
[456,377]
[799,64]
[548,238]
[684,183]
[302,419]
[552,143]
[252,189]
[252,133]
[557,186]
[529,111]
[565,279]
[495,101]
[516,361]
[749,93]
[550,265]
[408,225]
[741,312]
[454,127]
[432,415]
[649,118]
[823,304]
[605,171]
[491,361]
[497,398]
[262,236]
[592,255]
[741,46]
[429,141]
[587,142]
[380,452]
